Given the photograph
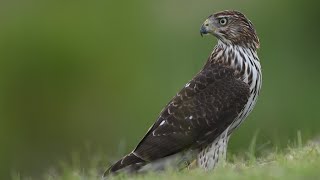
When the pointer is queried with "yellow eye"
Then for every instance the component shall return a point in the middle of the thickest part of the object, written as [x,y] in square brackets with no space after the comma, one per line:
[223,21]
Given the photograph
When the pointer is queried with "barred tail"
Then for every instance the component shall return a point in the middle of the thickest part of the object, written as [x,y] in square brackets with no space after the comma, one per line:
[129,164]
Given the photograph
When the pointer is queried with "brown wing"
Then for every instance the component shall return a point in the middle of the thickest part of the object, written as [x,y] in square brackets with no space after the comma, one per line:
[198,114]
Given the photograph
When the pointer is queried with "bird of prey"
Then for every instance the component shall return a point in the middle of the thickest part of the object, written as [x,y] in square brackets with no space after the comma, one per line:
[197,123]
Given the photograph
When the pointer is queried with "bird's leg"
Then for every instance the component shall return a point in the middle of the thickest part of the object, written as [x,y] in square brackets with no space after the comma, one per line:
[222,148]
[223,153]
[215,153]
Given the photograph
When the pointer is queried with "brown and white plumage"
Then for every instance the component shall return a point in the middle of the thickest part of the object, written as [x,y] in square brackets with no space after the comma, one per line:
[201,117]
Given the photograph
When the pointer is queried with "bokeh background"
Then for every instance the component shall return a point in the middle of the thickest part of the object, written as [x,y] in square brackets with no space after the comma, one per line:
[92,76]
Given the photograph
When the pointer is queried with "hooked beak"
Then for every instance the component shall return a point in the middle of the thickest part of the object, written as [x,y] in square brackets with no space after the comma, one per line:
[203,30]
[207,27]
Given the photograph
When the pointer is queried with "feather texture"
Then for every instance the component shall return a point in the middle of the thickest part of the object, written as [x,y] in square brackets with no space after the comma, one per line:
[201,117]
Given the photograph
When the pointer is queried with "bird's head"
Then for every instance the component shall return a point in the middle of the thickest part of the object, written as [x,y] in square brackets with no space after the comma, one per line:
[231,27]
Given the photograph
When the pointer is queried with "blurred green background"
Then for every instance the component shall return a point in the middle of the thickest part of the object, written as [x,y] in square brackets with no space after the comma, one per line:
[95,74]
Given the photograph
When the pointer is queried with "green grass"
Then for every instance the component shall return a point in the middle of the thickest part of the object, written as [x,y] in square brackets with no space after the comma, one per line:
[292,163]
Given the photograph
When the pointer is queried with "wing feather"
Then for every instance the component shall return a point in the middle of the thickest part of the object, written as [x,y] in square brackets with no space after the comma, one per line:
[197,115]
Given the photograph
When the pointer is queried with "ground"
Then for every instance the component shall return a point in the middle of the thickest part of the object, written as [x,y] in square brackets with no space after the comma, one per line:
[300,162]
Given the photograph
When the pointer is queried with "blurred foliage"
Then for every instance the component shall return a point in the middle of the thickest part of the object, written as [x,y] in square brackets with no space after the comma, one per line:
[77,74]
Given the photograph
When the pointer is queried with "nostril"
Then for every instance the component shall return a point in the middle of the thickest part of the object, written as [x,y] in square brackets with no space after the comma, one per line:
[207,25]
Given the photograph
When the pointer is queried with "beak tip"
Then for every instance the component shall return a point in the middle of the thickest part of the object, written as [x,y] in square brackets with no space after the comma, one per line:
[203,31]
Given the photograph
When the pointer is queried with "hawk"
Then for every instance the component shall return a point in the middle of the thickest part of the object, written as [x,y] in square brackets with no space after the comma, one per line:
[197,123]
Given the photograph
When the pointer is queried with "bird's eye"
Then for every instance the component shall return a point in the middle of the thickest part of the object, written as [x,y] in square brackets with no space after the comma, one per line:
[223,21]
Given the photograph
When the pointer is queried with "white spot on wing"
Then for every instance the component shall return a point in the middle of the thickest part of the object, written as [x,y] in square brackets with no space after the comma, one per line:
[162,122]
[190,117]
[187,85]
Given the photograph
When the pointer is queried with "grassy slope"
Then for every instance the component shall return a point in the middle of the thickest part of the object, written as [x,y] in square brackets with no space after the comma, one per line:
[295,163]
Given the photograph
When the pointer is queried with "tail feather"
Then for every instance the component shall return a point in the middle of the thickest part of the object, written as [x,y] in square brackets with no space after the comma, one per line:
[129,163]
